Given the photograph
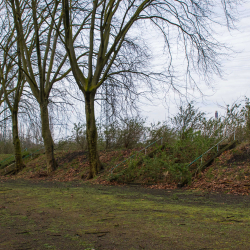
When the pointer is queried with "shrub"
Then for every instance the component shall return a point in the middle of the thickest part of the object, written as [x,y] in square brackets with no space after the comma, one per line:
[79,133]
[130,132]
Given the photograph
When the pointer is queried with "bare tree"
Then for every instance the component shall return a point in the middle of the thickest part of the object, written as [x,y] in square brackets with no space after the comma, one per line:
[108,41]
[44,61]
[12,83]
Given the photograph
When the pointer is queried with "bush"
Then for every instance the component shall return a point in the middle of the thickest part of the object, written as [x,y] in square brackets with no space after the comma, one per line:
[152,170]
[187,120]
[80,136]
[130,132]
[160,130]
[6,147]
[110,135]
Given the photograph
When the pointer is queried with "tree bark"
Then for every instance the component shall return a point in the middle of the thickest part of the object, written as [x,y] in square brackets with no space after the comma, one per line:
[95,164]
[47,138]
[16,141]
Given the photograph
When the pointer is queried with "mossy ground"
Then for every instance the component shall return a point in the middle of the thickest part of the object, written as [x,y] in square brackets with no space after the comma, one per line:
[73,215]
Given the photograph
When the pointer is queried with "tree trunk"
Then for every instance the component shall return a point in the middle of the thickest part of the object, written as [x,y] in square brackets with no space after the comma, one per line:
[95,164]
[47,138]
[17,145]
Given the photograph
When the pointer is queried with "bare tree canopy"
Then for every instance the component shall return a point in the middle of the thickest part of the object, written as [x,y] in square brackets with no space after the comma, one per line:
[43,59]
[103,43]
[109,49]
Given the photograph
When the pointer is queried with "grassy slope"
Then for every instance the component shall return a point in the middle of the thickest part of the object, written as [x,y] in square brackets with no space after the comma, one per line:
[4,156]
[229,173]
[5,159]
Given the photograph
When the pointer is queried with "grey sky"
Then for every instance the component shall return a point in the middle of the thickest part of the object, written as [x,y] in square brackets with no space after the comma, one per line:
[236,78]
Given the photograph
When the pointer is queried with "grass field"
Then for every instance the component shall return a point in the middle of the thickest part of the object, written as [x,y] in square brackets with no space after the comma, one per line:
[72,215]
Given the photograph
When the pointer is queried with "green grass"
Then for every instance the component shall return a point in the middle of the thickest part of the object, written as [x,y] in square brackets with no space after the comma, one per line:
[6,159]
[4,156]
[160,168]
[98,217]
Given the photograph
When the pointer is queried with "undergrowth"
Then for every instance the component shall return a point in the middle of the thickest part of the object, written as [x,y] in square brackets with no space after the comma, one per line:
[171,164]
[161,168]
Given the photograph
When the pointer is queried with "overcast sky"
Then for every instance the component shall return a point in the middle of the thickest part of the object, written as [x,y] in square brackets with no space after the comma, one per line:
[234,85]
[236,78]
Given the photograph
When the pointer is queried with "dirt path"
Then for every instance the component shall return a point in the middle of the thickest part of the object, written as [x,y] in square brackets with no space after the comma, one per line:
[55,215]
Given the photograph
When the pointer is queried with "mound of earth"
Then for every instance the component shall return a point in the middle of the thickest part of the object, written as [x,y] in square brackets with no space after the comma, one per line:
[229,173]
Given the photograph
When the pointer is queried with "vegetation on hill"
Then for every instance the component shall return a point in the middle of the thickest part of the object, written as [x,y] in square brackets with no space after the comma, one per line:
[166,162]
